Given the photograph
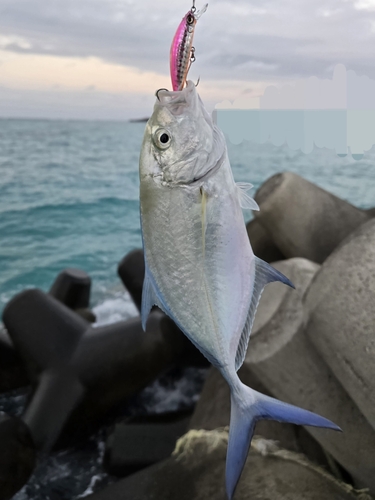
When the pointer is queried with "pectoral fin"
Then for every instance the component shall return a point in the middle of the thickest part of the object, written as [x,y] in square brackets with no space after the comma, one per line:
[245,200]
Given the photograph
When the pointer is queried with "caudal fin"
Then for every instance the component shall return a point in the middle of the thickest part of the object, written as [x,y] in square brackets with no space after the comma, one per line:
[249,406]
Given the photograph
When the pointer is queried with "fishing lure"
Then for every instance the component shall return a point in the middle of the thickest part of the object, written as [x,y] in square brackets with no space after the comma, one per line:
[182,50]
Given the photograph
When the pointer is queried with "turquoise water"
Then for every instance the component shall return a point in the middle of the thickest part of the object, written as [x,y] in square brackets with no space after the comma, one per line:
[69,198]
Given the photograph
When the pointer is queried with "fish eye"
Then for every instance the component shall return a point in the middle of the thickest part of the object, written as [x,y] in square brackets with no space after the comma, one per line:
[162,138]
[190,19]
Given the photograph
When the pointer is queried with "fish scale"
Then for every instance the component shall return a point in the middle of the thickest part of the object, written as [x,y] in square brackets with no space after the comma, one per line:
[199,265]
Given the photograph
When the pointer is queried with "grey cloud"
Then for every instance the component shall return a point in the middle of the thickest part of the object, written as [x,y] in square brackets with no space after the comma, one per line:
[242,40]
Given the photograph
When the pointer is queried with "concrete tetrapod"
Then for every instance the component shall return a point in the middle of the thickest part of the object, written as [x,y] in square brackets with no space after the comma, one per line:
[71,362]
[72,288]
[12,372]
[46,334]
[303,219]
[282,357]
[341,317]
[196,471]
[262,243]
[139,442]
[213,411]
[17,455]
[131,270]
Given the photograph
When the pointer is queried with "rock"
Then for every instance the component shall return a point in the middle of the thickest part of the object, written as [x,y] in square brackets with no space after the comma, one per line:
[12,371]
[131,270]
[303,219]
[196,471]
[17,455]
[262,243]
[371,212]
[139,443]
[341,321]
[282,357]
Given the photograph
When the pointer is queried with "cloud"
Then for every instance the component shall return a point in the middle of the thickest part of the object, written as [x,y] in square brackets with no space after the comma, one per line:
[250,42]
[285,37]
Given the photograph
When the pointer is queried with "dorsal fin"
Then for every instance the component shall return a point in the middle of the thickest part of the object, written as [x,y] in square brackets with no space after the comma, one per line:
[264,273]
[245,200]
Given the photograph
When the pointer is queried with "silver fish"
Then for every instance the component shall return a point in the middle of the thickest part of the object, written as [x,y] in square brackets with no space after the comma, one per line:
[200,267]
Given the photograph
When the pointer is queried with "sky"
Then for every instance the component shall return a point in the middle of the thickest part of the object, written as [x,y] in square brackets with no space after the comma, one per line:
[104,59]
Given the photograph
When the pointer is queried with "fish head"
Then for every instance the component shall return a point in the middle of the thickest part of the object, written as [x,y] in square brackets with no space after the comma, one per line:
[181,142]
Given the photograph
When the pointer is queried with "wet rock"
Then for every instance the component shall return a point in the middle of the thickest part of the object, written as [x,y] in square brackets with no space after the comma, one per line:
[141,442]
[196,470]
[262,242]
[131,270]
[12,371]
[303,219]
[17,455]
[341,317]
[282,357]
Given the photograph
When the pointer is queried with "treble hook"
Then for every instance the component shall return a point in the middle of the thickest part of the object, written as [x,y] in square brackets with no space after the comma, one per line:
[157,93]
[193,9]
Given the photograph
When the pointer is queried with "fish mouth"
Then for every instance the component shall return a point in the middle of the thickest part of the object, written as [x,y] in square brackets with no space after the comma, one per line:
[176,100]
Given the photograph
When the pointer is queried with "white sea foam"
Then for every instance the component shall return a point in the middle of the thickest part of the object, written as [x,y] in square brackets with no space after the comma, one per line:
[160,398]
[118,307]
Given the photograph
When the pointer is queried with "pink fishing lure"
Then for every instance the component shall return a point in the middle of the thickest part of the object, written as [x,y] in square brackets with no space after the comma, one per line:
[182,50]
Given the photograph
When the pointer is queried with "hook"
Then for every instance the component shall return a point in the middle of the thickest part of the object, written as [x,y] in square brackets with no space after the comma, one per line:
[192,55]
[157,93]
[199,79]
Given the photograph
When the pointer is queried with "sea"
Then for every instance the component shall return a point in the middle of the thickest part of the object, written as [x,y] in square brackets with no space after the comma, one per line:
[69,197]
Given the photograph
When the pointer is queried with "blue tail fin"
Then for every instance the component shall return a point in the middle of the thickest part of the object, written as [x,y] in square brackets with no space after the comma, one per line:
[249,406]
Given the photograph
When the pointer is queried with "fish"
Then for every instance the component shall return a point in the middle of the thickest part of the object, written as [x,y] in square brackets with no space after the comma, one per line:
[182,50]
[199,265]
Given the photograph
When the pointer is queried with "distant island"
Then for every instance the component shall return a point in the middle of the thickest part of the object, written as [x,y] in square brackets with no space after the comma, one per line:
[138,120]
